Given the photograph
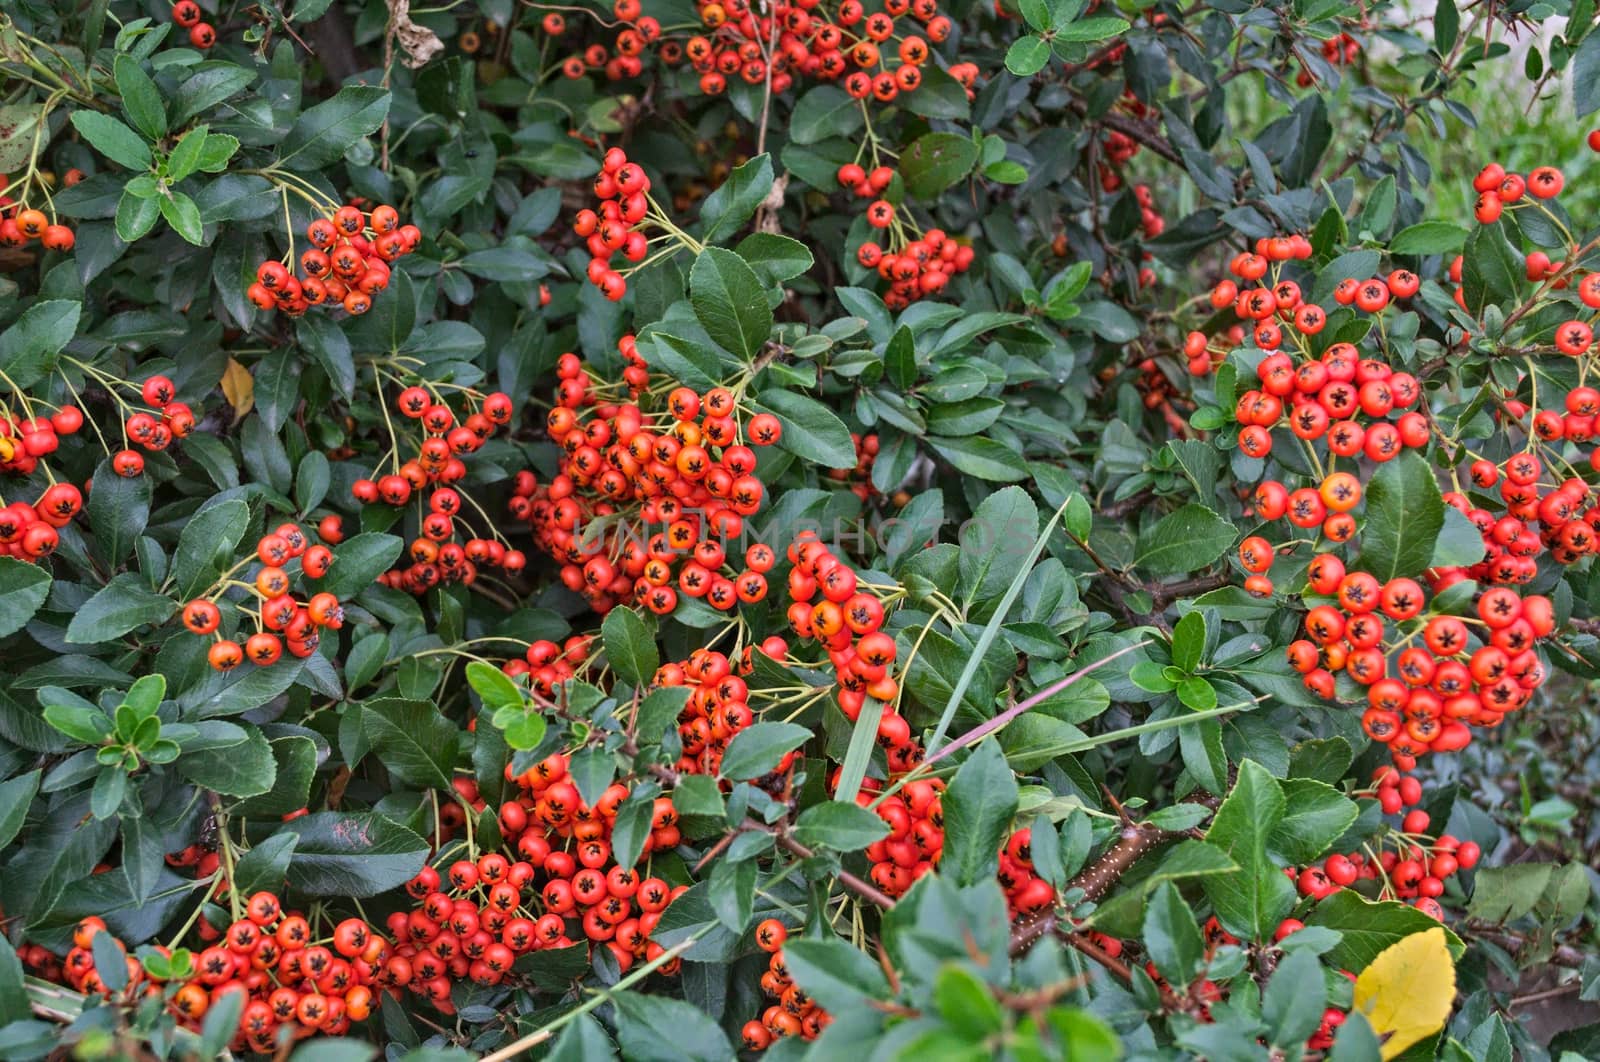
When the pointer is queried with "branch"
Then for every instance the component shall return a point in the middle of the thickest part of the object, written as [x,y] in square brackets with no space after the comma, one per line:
[1136,841]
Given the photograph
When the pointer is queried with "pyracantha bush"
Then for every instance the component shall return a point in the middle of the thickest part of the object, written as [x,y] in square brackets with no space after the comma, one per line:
[871,528]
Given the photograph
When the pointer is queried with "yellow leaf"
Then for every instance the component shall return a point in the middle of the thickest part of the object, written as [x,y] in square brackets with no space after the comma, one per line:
[1406,992]
[239,387]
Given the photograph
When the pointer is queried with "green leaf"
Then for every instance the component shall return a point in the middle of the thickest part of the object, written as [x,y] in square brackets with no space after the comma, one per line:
[824,111]
[1295,998]
[1189,641]
[189,152]
[356,855]
[1491,270]
[118,509]
[756,750]
[242,770]
[811,431]
[1367,928]
[207,545]
[16,796]
[730,302]
[184,217]
[296,757]
[358,561]
[493,686]
[416,743]
[966,1003]
[1405,513]
[997,544]
[978,807]
[1192,538]
[122,605]
[1089,30]
[1027,55]
[322,134]
[136,216]
[685,360]
[630,646]
[1171,935]
[900,359]
[935,161]
[1586,76]
[843,827]
[657,1028]
[112,139]
[736,198]
[265,865]
[1315,815]
[731,891]
[1428,237]
[23,588]
[1446,26]
[1253,900]
[979,456]
[18,123]
[28,348]
[140,98]
[776,258]
[833,973]
[14,1005]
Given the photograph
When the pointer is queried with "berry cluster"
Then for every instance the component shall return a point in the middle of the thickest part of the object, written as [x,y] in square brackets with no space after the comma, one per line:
[446,440]
[1413,870]
[914,267]
[1420,698]
[547,664]
[282,620]
[1266,301]
[153,429]
[638,32]
[559,884]
[435,557]
[1322,399]
[915,817]
[794,1013]
[847,621]
[290,978]
[20,224]
[24,441]
[718,707]
[30,532]
[187,14]
[677,461]
[625,213]
[348,262]
[863,49]
[860,477]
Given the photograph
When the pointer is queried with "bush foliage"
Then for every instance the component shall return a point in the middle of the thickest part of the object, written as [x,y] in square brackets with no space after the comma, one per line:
[681,530]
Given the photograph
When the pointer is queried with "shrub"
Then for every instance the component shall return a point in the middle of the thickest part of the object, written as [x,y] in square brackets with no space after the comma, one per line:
[904,528]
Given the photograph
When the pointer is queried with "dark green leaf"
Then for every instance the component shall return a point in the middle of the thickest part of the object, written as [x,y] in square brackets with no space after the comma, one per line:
[730,302]
[1188,540]
[415,741]
[355,855]
[23,588]
[978,808]
[1404,515]
[112,139]
[756,750]
[630,646]
[323,133]
[843,827]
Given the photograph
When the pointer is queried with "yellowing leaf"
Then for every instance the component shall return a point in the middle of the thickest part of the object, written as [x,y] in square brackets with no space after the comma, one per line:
[1406,992]
[239,387]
